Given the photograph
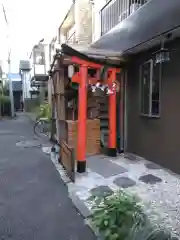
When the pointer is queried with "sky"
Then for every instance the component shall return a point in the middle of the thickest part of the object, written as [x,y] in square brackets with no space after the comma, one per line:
[29,22]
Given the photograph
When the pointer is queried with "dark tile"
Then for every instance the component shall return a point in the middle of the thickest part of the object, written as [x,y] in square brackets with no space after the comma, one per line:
[101,191]
[152,166]
[104,166]
[124,182]
[149,178]
[132,157]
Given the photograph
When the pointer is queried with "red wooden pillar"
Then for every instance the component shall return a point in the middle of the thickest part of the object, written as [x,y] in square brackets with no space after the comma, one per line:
[121,115]
[112,117]
[82,117]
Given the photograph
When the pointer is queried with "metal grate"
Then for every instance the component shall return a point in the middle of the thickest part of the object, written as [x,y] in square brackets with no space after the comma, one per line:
[115,11]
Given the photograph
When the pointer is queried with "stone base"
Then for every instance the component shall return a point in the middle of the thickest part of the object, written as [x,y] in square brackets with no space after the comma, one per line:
[81,166]
[111,152]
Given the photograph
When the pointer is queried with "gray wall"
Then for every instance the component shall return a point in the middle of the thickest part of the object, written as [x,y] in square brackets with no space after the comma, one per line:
[158,139]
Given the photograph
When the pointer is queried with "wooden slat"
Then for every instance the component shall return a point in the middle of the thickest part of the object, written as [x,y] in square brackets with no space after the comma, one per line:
[67,159]
[93,135]
[60,91]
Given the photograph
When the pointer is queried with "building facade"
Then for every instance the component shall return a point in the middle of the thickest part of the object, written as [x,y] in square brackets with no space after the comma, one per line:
[24,71]
[153,96]
[149,79]
[145,37]
[76,27]
[40,67]
[108,14]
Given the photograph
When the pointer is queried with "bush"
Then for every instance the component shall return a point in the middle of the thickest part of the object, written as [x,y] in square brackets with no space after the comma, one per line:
[5,104]
[114,216]
[4,99]
[120,217]
[44,111]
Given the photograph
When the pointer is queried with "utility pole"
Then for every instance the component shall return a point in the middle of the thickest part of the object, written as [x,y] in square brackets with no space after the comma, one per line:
[9,64]
[10,87]
[1,89]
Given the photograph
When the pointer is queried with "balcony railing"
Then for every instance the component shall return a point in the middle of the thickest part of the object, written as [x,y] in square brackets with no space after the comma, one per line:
[115,11]
[72,38]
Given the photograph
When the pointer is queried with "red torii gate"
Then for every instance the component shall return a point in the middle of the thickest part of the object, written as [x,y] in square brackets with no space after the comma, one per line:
[84,80]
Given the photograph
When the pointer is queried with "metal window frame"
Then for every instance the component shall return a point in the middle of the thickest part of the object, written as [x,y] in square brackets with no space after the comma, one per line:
[160,82]
[126,108]
[150,115]
[150,87]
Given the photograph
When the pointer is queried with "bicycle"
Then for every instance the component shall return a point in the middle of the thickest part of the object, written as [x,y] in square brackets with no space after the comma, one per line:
[41,127]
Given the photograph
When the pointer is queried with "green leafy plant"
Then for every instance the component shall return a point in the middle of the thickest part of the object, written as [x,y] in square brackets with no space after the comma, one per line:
[148,232]
[44,111]
[4,99]
[121,217]
[115,215]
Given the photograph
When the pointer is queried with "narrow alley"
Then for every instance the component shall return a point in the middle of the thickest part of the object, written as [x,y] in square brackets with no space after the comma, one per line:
[34,201]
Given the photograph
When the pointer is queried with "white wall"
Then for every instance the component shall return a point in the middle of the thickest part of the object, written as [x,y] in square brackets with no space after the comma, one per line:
[52,49]
[83,20]
[96,19]
[40,68]
[47,63]
[26,84]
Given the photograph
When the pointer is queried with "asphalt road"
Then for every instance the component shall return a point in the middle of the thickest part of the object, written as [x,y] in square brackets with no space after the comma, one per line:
[34,203]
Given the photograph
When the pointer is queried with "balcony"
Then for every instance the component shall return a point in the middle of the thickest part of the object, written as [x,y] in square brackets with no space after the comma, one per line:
[115,11]
[67,26]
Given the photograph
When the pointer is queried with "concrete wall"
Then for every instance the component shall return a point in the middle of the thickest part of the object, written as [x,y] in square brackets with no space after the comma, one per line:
[31,104]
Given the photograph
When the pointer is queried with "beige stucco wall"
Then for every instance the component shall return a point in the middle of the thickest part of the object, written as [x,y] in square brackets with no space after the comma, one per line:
[83,21]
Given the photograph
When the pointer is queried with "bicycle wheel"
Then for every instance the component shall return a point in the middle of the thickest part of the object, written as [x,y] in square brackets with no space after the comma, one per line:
[38,128]
[46,128]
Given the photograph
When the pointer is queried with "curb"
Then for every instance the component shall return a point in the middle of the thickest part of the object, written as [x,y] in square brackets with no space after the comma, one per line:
[80,205]
[77,202]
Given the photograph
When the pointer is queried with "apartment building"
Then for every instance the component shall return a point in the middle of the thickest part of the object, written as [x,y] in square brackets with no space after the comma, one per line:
[107,14]
[76,27]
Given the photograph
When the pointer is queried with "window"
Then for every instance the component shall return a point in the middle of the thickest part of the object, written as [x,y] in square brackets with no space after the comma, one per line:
[150,89]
